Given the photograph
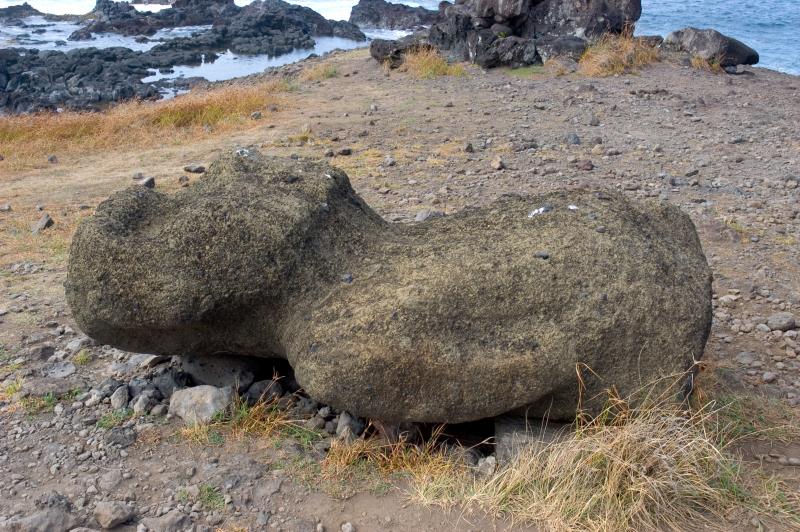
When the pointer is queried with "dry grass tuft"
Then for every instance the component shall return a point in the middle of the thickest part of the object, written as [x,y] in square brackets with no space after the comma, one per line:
[428,63]
[375,462]
[26,140]
[617,54]
[319,72]
[709,65]
[654,467]
[264,420]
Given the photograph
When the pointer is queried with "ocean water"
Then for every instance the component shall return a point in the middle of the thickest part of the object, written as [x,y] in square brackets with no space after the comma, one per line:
[770,26]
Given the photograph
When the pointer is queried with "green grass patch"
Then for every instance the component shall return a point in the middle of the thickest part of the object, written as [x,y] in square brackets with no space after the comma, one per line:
[211,498]
[83,358]
[115,418]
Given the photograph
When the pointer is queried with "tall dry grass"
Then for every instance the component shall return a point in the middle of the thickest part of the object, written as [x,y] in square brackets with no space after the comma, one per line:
[658,466]
[26,140]
[428,63]
[617,54]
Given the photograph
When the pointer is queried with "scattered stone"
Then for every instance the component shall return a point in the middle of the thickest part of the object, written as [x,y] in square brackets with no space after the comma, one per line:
[147,182]
[469,148]
[194,169]
[427,214]
[782,321]
[585,164]
[5,207]
[52,159]
[44,222]
[119,399]
[255,115]
[172,521]
[49,520]
[497,163]
[111,514]
[200,404]
[61,370]
[573,139]
[345,151]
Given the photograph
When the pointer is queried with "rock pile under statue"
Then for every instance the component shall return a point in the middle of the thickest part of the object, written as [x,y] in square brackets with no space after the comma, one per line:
[448,320]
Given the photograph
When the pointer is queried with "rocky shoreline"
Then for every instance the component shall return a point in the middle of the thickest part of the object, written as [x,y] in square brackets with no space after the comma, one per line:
[91,78]
[487,32]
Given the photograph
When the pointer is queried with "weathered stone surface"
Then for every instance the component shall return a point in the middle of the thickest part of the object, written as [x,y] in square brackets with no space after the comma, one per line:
[47,520]
[448,320]
[712,45]
[517,32]
[110,514]
[200,404]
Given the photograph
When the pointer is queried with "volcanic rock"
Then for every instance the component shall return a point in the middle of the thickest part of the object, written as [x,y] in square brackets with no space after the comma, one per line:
[251,259]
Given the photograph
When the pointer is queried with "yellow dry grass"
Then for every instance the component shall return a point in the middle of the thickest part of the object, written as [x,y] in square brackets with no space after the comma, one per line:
[319,72]
[660,466]
[428,63]
[18,243]
[708,65]
[27,140]
[617,54]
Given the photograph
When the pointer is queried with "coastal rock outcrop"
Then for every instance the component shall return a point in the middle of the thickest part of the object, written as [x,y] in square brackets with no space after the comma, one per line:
[81,79]
[521,32]
[89,78]
[391,16]
[712,45]
[447,320]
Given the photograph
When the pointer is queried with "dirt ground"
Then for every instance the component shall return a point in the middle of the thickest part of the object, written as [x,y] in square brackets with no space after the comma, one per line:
[725,148]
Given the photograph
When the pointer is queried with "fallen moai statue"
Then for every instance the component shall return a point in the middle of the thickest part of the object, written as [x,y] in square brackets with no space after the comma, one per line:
[448,320]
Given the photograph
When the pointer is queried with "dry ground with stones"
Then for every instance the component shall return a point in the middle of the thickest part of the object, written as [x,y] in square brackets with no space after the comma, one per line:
[724,148]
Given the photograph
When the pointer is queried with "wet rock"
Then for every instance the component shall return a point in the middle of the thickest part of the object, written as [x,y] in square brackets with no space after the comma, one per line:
[713,46]
[200,404]
[255,287]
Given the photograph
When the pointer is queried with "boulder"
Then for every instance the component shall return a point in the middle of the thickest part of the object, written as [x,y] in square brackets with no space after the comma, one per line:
[110,514]
[478,30]
[392,52]
[46,520]
[712,45]
[272,257]
[391,16]
[200,404]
